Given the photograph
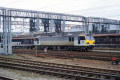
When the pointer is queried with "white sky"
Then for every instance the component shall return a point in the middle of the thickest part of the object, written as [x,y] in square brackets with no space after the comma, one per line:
[94,8]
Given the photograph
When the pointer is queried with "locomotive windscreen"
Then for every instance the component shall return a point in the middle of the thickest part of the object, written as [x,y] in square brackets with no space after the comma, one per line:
[90,38]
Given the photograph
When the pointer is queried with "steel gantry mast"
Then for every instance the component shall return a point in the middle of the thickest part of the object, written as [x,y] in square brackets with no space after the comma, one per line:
[51,22]
[6,35]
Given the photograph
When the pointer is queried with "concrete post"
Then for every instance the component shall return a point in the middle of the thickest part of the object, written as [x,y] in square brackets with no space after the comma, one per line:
[86,26]
[0,21]
[0,37]
[4,32]
[108,27]
[0,30]
[9,34]
[63,26]
[119,27]
[23,25]
[51,24]
[37,24]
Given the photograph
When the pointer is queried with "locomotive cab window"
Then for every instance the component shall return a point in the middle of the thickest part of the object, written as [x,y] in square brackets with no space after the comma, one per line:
[90,37]
[80,38]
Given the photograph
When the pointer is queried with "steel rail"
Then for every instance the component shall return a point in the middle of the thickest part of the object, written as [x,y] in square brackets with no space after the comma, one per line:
[54,69]
[5,78]
[56,65]
[72,73]
[92,57]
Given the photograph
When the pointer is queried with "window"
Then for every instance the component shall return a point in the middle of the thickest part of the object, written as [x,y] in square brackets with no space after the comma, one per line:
[1,45]
[37,40]
[80,38]
[71,39]
[90,37]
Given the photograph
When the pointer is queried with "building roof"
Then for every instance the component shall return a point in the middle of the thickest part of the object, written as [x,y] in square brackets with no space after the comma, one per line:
[99,35]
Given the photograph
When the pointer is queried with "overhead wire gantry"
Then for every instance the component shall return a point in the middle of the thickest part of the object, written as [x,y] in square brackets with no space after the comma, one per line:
[48,19]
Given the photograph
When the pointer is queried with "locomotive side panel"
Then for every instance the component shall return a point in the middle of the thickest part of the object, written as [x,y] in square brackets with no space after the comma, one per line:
[55,41]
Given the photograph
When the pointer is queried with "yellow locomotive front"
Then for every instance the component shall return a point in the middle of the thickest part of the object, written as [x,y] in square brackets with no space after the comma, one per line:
[90,40]
[85,42]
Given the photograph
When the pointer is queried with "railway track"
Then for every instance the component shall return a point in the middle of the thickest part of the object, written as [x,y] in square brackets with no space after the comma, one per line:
[82,55]
[103,58]
[106,51]
[5,78]
[60,70]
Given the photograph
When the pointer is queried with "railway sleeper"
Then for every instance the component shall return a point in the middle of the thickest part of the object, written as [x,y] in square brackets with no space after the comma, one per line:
[34,70]
[93,69]
[41,63]
[16,60]
[5,78]
[43,68]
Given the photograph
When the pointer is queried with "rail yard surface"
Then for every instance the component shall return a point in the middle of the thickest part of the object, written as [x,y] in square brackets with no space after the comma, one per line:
[53,63]
[61,70]
[94,55]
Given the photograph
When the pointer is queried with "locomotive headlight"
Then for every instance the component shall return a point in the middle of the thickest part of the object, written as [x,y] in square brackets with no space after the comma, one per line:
[94,42]
[87,42]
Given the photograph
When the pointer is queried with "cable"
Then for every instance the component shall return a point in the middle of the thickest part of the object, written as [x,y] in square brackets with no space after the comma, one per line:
[55,4]
[101,13]
[114,16]
[94,8]
[13,2]
[59,4]
[105,12]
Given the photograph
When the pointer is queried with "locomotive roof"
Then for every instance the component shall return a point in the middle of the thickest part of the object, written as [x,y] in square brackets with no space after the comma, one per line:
[68,35]
[62,35]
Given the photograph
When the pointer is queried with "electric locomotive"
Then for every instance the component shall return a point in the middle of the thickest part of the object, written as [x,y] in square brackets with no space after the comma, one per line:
[67,42]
